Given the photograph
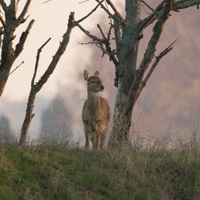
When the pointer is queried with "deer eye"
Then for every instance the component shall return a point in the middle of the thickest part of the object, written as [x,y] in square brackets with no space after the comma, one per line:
[93,81]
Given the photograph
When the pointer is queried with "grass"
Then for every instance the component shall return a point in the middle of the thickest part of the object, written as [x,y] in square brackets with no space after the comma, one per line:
[60,173]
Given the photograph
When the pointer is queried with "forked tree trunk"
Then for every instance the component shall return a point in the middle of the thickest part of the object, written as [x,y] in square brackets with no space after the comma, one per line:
[127,76]
[131,79]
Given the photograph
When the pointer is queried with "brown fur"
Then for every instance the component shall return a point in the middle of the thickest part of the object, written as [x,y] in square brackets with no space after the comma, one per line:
[95,113]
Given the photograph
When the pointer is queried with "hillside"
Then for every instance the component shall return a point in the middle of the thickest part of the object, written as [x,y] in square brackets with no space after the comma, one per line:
[60,173]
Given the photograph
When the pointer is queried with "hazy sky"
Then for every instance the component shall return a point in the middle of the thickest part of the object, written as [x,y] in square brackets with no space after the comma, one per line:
[50,21]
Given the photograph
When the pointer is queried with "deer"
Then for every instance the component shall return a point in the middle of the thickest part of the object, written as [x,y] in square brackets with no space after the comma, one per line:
[95,113]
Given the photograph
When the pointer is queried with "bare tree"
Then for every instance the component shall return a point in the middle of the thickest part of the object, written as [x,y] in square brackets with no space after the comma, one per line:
[36,87]
[10,22]
[127,33]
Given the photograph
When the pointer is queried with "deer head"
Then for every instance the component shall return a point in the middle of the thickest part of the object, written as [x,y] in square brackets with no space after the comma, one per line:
[94,82]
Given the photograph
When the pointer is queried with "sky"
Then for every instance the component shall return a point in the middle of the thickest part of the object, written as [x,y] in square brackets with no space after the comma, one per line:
[51,20]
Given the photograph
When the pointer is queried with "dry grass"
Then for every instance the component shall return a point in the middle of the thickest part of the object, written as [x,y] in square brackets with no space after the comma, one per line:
[57,172]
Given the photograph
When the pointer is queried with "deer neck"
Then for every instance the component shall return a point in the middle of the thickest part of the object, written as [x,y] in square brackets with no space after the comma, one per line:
[93,100]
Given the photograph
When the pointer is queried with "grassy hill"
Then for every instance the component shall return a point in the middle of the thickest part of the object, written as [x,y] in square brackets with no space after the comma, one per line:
[61,173]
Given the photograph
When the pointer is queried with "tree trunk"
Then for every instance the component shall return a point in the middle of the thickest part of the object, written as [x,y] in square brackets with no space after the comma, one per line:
[4,74]
[125,101]
[28,117]
[127,76]
[36,87]
[131,79]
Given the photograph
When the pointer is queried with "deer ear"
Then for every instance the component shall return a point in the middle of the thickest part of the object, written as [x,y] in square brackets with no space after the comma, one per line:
[96,73]
[86,75]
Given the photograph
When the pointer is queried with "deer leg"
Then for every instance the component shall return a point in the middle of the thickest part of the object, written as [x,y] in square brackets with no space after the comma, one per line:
[98,134]
[98,140]
[87,141]
[87,136]
[94,140]
[103,137]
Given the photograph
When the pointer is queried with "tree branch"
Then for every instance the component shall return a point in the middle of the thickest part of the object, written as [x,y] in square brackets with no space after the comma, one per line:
[101,31]
[35,88]
[104,44]
[182,4]
[100,43]
[37,61]
[24,11]
[58,54]
[157,30]
[178,5]
[16,68]
[4,6]
[80,20]
[13,7]
[1,33]
[115,10]
[46,1]
[2,21]
[157,60]
[105,9]
[88,33]
[24,35]
[150,19]
[148,6]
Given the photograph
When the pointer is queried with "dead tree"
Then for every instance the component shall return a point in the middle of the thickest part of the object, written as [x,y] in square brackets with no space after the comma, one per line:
[127,33]
[37,86]
[10,22]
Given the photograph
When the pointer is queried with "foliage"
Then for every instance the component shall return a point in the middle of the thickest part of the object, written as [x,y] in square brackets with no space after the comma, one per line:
[38,172]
